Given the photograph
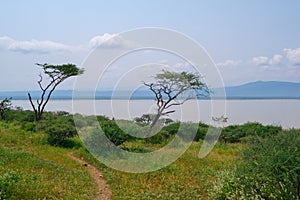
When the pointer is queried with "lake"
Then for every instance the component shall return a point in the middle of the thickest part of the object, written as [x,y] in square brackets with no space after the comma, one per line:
[284,112]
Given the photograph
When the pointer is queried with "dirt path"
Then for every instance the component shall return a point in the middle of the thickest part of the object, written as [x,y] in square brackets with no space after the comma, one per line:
[104,192]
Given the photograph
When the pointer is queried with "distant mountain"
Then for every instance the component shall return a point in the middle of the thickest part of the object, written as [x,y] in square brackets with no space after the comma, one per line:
[253,90]
[23,95]
[265,90]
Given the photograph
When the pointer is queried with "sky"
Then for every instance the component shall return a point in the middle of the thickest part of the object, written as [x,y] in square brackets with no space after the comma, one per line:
[247,40]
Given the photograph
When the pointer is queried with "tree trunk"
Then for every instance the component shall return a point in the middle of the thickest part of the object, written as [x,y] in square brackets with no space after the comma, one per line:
[152,125]
[154,121]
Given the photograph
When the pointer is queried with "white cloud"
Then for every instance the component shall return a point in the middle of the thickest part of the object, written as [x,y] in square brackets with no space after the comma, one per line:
[38,46]
[34,46]
[267,62]
[260,60]
[275,60]
[293,55]
[107,41]
[229,63]
[5,41]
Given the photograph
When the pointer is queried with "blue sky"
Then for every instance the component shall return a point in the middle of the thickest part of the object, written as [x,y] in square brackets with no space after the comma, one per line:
[248,40]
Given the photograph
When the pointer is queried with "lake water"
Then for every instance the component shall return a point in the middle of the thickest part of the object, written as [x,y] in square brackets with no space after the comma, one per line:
[283,112]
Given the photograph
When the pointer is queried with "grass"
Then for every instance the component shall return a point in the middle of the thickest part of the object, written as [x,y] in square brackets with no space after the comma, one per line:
[46,172]
[187,178]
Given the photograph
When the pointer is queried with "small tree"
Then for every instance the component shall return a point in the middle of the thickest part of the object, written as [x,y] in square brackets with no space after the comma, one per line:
[145,119]
[56,75]
[172,89]
[5,105]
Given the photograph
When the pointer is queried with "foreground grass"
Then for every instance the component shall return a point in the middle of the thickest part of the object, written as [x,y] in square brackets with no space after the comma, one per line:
[187,178]
[46,172]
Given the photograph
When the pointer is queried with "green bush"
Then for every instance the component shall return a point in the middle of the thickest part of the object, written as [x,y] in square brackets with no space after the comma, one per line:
[185,130]
[8,181]
[162,137]
[201,132]
[236,133]
[60,128]
[172,129]
[19,115]
[112,131]
[270,169]
[59,134]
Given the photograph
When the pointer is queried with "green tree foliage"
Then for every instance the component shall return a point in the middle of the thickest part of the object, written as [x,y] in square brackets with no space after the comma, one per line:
[173,89]
[56,74]
[5,105]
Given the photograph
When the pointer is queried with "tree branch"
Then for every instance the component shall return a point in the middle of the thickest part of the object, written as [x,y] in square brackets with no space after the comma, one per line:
[168,112]
[30,99]
[40,82]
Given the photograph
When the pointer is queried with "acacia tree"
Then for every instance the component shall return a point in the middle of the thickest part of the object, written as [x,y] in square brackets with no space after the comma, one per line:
[173,89]
[56,75]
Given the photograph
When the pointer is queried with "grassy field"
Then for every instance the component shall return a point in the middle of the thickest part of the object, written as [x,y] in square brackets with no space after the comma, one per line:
[45,172]
[187,178]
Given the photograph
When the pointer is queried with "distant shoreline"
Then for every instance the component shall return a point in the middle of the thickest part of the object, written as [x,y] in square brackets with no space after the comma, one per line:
[260,90]
[147,98]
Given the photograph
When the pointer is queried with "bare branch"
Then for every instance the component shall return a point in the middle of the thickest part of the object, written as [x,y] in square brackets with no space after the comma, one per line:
[40,82]
[168,112]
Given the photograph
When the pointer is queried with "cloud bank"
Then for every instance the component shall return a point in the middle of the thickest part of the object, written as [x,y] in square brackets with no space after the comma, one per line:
[293,55]
[46,46]
[34,46]
[107,41]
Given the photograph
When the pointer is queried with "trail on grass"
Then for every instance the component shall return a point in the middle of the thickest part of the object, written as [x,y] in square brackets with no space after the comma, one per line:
[103,192]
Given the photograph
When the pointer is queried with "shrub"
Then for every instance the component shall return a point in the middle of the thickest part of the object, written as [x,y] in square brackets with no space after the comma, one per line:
[185,130]
[112,131]
[60,128]
[270,169]
[172,129]
[20,115]
[236,133]
[59,134]
[201,132]
[162,137]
